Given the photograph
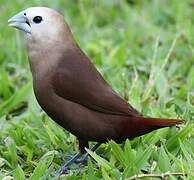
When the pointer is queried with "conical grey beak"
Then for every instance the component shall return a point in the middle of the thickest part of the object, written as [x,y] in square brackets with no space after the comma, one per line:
[20,21]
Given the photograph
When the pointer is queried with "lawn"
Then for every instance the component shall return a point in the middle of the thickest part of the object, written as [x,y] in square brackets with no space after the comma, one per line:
[145,50]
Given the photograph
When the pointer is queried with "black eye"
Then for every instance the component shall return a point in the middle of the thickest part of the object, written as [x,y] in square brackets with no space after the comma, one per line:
[37,19]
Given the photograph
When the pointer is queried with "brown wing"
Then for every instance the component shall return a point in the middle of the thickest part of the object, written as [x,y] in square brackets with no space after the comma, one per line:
[76,79]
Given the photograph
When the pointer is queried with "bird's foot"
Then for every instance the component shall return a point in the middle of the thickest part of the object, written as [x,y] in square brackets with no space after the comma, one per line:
[65,168]
[78,158]
[83,159]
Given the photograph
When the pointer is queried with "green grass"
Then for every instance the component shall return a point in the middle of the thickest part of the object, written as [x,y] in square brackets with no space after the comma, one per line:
[145,50]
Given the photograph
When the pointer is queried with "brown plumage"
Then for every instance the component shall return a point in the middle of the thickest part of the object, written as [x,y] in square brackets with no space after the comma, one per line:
[69,88]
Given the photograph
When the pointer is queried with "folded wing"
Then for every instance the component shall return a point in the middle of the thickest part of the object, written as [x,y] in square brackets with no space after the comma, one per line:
[76,79]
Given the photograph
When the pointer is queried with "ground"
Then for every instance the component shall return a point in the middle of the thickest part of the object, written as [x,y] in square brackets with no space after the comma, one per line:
[144,49]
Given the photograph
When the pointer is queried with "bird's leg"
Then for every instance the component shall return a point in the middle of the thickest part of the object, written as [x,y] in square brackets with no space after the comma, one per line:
[64,168]
[77,158]
[82,145]
[85,156]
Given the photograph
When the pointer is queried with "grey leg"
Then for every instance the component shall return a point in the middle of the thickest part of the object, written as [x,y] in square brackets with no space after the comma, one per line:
[86,155]
[76,159]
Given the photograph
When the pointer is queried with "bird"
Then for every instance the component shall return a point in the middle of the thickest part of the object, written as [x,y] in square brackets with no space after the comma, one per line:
[70,89]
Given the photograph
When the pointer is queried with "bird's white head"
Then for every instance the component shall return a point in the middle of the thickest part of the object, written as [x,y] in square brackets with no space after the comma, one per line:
[47,33]
[40,23]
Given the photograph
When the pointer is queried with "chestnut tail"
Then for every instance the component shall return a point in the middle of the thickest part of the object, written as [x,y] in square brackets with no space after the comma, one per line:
[160,122]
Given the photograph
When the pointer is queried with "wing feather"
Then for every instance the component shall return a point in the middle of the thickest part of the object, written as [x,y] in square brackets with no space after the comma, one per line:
[76,79]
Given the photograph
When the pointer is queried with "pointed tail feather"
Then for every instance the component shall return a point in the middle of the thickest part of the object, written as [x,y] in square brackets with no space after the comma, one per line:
[160,122]
[142,125]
